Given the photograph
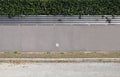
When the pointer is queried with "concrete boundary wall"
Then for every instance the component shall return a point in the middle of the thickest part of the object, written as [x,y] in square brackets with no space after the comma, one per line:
[60,37]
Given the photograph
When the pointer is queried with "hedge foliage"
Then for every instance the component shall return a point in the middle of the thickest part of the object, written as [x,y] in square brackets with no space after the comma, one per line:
[59,7]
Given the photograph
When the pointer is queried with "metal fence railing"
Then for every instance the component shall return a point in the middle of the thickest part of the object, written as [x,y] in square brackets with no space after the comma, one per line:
[60,19]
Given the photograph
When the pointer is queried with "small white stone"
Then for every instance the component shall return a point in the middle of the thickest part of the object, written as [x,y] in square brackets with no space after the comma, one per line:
[57,45]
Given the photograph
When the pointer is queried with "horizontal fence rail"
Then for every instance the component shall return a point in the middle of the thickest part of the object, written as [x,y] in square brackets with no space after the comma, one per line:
[77,19]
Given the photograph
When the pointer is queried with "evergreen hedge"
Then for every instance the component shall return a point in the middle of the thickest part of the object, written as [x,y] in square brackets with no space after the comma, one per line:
[59,7]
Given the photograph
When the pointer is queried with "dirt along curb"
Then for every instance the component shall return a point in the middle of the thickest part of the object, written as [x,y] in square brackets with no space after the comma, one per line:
[57,60]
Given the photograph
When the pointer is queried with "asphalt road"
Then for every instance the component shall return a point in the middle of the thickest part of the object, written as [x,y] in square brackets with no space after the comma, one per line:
[60,70]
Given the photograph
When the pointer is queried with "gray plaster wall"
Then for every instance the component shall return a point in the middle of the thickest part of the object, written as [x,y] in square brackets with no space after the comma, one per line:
[59,37]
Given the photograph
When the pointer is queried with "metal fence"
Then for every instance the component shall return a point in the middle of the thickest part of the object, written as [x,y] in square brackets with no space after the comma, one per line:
[60,19]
